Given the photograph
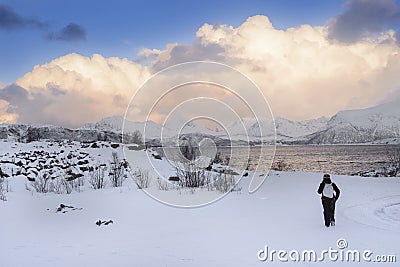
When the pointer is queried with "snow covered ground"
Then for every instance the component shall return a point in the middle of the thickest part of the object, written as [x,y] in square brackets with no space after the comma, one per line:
[284,214]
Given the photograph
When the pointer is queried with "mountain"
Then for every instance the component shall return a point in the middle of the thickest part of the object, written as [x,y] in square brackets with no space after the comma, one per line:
[379,124]
[289,131]
[29,133]
[115,124]
[246,128]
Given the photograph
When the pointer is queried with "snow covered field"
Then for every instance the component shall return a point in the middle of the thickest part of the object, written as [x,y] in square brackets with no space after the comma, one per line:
[284,214]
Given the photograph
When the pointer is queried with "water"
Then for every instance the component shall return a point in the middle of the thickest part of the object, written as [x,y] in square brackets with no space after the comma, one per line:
[337,159]
[334,159]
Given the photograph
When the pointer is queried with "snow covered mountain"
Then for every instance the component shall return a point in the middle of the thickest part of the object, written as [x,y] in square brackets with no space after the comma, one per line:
[379,124]
[152,130]
[286,130]
[29,133]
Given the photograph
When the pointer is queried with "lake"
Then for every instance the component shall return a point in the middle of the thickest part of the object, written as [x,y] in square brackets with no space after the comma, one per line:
[334,159]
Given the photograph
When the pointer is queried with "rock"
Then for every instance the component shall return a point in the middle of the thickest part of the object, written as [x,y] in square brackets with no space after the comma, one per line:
[99,222]
[174,178]
[114,145]
[156,156]
[94,145]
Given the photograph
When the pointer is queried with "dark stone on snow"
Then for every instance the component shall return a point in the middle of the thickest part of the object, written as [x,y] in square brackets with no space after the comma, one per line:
[156,156]
[114,145]
[174,178]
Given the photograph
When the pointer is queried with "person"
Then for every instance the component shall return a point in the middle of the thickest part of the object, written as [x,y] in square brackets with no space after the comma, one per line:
[329,195]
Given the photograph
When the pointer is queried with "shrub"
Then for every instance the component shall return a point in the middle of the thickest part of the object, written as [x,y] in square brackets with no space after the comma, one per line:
[60,185]
[4,188]
[190,175]
[136,138]
[143,179]
[117,173]
[77,183]
[97,177]
[163,185]
[393,161]
[41,184]
[224,183]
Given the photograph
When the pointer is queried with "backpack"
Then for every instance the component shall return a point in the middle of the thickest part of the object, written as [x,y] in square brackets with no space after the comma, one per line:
[328,191]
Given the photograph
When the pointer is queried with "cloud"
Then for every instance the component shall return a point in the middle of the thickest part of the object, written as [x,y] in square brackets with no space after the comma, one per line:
[301,71]
[71,32]
[179,53]
[397,37]
[73,90]
[10,20]
[363,18]
[5,116]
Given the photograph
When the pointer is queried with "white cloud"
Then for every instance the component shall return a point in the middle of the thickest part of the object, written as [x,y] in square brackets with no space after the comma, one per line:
[302,71]
[6,117]
[74,89]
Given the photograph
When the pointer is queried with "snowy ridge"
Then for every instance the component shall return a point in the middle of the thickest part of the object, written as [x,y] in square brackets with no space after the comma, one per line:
[247,128]
[28,133]
[379,124]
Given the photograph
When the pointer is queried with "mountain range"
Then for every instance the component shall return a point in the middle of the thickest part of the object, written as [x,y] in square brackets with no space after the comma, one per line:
[377,125]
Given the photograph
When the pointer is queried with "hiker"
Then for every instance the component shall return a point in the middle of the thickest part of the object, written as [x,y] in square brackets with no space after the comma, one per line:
[330,194]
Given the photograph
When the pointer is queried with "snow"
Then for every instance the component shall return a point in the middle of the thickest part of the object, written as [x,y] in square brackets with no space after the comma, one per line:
[378,124]
[387,114]
[285,213]
[288,128]
[246,128]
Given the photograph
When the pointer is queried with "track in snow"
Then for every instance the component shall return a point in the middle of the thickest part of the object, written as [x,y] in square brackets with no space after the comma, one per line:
[382,213]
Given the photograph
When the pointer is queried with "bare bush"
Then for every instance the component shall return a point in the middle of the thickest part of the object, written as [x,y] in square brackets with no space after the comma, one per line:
[60,185]
[163,185]
[225,183]
[77,183]
[190,175]
[41,184]
[97,177]
[4,188]
[117,172]
[393,161]
[143,179]
[136,138]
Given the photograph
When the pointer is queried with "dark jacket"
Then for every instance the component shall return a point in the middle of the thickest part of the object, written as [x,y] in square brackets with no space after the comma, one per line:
[335,188]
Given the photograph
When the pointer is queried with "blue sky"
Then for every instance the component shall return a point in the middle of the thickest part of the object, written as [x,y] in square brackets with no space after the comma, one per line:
[122,28]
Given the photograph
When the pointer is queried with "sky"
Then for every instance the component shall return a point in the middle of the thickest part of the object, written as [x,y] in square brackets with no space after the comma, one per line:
[309,58]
